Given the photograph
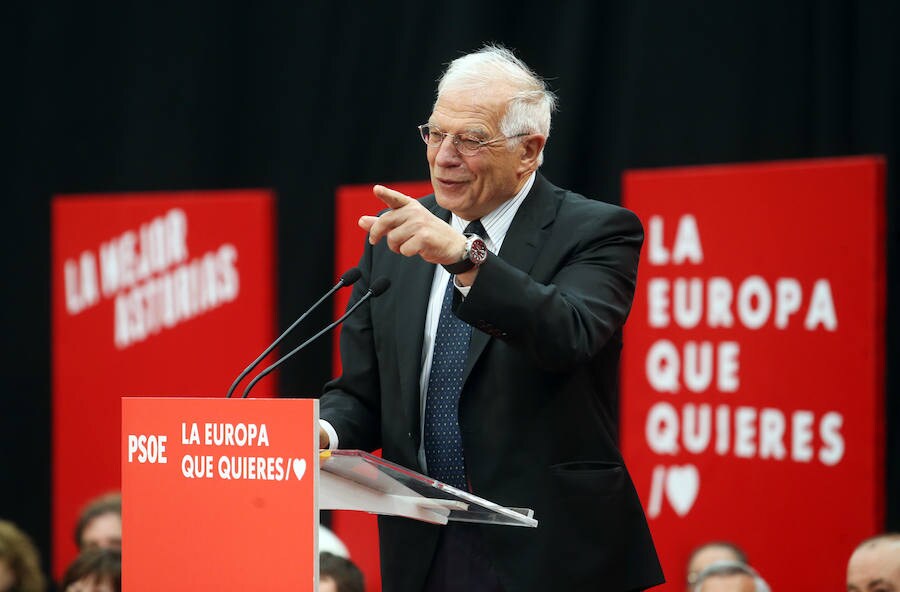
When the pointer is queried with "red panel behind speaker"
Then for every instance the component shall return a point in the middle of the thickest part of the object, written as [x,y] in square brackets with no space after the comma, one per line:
[359,531]
[153,294]
[753,368]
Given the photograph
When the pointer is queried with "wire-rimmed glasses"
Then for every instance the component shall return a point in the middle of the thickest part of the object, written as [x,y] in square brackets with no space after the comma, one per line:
[465,144]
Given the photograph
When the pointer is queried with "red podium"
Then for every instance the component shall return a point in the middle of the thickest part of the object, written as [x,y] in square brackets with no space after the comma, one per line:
[219,494]
[223,494]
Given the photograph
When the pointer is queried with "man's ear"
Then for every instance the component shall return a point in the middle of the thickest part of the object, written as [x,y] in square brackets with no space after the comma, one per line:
[529,151]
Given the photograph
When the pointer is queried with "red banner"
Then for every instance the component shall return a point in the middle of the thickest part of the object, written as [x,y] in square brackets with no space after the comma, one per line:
[153,294]
[359,531]
[753,368]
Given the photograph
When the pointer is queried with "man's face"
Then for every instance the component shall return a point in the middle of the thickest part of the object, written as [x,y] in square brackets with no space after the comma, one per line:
[91,584]
[473,186]
[731,583]
[104,531]
[706,557]
[875,568]
[327,584]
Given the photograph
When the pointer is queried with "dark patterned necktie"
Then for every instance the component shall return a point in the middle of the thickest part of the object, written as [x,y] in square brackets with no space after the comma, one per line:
[443,443]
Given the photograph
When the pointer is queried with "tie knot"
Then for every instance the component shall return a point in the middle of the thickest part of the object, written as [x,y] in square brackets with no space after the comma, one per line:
[475,227]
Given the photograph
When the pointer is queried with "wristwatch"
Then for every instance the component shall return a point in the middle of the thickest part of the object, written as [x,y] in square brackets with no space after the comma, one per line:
[474,255]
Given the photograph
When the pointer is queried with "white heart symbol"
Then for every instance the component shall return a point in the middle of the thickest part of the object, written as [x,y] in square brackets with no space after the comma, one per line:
[299,465]
[682,485]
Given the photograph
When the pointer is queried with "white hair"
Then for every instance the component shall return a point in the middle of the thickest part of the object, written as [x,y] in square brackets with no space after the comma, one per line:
[730,568]
[531,103]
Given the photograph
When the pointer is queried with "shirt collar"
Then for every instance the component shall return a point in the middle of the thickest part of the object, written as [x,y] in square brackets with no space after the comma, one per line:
[497,222]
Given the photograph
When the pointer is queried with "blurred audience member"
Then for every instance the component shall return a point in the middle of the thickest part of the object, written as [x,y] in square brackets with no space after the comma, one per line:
[100,523]
[20,565]
[94,570]
[330,543]
[875,565]
[730,576]
[709,553]
[337,574]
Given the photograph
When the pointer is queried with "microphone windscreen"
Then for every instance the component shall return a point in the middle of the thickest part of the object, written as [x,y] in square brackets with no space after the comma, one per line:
[379,286]
[350,276]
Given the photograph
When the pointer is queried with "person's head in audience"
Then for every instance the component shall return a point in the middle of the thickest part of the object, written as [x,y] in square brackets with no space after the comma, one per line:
[709,553]
[20,564]
[730,576]
[337,574]
[330,543]
[875,565]
[94,570]
[100,523]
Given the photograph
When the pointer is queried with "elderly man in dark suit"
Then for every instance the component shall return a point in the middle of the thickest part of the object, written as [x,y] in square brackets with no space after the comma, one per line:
[492,362]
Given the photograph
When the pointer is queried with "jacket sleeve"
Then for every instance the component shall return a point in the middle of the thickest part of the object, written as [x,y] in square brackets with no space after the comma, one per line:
[585,295]
[351,402]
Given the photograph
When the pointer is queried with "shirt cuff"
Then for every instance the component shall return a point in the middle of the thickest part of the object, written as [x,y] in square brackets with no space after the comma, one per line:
[464,290]
[332,435]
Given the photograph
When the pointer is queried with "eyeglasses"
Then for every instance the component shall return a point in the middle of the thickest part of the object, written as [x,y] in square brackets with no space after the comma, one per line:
[726,568]
[465,144]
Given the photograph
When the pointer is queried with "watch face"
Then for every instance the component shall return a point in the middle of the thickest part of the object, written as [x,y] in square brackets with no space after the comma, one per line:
[477,251]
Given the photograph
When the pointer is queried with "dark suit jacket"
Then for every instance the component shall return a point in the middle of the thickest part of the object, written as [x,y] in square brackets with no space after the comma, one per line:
[537,408]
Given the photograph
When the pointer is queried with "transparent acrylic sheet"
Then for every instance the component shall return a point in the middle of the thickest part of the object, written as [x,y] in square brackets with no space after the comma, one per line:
[391,479]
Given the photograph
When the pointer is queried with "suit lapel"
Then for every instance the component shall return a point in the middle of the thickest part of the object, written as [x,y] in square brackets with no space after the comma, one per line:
[415,278]
[530,227]
[527,233]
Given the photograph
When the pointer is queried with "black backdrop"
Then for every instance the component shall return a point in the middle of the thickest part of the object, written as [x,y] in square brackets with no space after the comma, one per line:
[303,96]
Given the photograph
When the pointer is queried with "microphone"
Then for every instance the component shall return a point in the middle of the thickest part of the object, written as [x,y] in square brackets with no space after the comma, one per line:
[349,278]
[376,289]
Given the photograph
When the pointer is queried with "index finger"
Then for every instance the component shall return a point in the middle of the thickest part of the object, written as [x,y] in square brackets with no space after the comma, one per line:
[391,198]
